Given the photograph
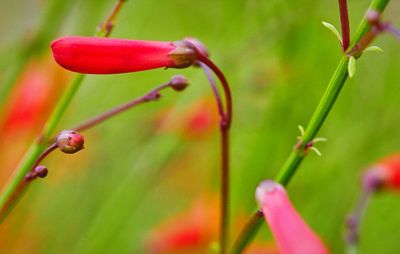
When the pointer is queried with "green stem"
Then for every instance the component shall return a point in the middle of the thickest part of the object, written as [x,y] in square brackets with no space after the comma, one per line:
[60,108]
[324,107]
[248,232]
[318,118]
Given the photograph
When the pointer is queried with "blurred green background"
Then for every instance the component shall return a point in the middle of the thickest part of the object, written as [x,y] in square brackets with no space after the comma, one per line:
[132,176]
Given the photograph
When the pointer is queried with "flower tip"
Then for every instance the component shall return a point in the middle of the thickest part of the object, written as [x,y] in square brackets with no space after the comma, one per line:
[292,234]
[266,187]
[179,83]
[70,141]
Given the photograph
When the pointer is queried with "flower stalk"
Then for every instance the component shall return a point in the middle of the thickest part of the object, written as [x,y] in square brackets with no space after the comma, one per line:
[344,21]
[224,125]
[318,118]
[152,95]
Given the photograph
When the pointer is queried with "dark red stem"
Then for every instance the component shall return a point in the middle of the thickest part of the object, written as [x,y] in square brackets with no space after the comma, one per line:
[23,185]
[217,96]
[224,130]
[106,27]
[227,92]
[344,21]
[150,96]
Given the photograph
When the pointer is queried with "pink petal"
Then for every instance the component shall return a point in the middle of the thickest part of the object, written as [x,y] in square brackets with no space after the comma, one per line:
[292,234]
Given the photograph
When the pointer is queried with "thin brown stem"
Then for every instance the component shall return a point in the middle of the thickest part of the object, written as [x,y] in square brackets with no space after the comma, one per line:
[393,30]
[23,185]
[106,27]
[344,21]
[217,95]
[224,130]
[224,222]
[150,96]
[225,85]
[354,220]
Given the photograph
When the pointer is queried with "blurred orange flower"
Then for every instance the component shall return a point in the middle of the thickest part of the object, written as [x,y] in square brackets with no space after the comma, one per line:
[194,231]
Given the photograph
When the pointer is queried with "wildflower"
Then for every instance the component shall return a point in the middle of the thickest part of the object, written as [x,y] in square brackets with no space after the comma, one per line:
[292,234]
[93,55]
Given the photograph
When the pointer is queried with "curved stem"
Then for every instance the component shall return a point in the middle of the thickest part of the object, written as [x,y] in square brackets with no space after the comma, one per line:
[217,95]
[227,91]
[12,199]
[224,132]
[150,96]
[321,112]
[393,30]
[38,146]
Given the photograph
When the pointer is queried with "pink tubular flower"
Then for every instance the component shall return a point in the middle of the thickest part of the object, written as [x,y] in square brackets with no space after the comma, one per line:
[93,55]
[292,234]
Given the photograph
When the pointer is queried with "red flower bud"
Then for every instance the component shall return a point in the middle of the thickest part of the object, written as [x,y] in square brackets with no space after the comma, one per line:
[70,141]
[386,172]
[95,55]
[41,171]
[178,83]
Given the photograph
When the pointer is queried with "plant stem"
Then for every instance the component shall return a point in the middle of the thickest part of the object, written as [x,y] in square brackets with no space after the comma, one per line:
[38,146]
[224,134]
[354,220]
[150,96]
[227,91]
[249,231]
[106,27]
[344,21]
[393,30]
[321,112]
[22,185]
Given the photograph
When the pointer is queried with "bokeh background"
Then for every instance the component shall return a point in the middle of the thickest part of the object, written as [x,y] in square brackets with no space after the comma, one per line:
[154,162]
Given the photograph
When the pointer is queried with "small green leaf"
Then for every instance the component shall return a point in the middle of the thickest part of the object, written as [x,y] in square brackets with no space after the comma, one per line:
[333,29]
[373,49]
[352,66]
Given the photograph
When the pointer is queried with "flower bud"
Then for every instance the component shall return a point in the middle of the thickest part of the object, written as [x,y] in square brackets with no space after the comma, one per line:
[93,55]
[179,83]
[385,173]
[70,141]
[41,171]
[292,234]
